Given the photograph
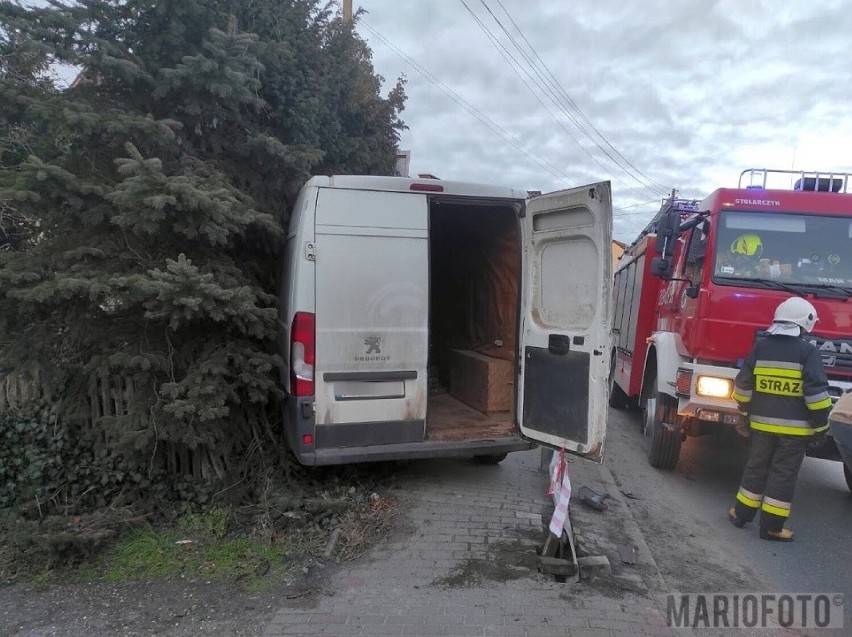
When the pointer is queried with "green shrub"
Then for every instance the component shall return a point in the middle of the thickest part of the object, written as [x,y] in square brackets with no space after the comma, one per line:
[39,460]
[51,467]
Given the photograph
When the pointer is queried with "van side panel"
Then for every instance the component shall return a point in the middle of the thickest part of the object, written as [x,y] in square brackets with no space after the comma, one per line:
[296,282]
[296,294]
[372,293]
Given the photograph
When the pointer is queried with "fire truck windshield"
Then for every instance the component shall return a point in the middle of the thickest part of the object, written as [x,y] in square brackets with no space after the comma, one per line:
[793,249]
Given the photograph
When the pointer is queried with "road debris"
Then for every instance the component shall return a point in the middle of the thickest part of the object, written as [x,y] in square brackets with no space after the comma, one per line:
[592,499]
[627,553]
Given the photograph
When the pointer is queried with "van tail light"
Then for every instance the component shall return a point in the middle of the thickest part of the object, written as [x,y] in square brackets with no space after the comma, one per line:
[302,354]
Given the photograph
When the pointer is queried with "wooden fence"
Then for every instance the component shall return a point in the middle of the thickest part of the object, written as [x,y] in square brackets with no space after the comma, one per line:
[16,392]
[109,395]
[112,395]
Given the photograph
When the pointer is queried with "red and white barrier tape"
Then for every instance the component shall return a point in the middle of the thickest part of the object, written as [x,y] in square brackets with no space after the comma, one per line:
[560,489]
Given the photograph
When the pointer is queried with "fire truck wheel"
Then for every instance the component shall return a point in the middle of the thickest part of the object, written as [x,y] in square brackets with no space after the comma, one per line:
[848,475]
[617,396]
[665,442]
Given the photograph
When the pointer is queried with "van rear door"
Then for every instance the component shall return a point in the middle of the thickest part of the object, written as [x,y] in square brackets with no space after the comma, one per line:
[371,317]
[565,321]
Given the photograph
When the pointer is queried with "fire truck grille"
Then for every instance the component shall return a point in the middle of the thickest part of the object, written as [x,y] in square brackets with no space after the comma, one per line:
[836,354]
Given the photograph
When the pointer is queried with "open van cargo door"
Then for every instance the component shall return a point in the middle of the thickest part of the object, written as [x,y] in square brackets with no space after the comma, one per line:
[565,319]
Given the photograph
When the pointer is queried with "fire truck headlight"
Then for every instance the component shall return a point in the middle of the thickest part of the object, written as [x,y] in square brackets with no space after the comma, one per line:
[713,387]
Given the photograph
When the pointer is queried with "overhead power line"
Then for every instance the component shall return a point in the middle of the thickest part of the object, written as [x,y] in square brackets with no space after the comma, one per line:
[482,117]
[548,83]
[488,122]
[619,158]
[617,212]
[574,104]
[515,66]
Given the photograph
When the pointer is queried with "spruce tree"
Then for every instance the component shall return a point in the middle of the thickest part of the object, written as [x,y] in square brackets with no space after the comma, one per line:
[143,206]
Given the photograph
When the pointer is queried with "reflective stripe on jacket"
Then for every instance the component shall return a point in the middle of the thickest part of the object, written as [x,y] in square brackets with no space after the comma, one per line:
[783,388]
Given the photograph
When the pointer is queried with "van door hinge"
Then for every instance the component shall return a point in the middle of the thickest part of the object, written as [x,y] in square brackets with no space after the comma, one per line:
[311,251]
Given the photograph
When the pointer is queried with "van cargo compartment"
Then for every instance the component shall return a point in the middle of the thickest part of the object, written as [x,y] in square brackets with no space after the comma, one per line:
[482,382]
[452,420]
[422,302]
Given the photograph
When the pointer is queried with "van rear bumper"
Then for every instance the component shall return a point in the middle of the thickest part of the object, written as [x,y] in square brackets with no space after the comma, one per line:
[413,450]
[299,422]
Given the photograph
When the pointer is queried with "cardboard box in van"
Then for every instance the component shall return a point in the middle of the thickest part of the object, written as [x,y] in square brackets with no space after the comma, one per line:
[424,318]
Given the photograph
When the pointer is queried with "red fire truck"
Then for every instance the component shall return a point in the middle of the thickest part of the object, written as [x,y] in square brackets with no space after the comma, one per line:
[702,281]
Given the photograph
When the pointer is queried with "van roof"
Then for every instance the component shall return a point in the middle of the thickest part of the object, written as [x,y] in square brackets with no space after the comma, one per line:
[403,184]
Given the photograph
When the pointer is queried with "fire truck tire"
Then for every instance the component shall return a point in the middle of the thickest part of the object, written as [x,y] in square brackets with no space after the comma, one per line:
[848,475]
[618,398]
[665,443]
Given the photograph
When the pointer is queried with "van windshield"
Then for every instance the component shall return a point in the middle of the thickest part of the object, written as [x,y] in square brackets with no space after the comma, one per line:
[784,248]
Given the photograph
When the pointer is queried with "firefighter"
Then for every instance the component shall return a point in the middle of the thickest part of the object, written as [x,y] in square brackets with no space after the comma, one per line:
[743,257]
[783,391]
[747,245]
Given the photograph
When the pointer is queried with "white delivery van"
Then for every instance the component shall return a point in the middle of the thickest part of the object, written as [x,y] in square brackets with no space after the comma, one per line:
[424,318]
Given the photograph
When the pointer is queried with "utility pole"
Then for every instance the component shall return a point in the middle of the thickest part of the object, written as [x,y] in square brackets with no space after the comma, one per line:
[347,11]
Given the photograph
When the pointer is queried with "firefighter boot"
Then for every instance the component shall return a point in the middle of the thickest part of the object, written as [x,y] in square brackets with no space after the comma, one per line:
[732,516]
[784,535]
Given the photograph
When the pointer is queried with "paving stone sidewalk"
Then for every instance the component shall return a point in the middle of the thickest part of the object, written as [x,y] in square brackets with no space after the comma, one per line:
[465,563]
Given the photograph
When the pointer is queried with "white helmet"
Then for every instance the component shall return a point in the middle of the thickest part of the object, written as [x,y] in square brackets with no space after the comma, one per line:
[796,310]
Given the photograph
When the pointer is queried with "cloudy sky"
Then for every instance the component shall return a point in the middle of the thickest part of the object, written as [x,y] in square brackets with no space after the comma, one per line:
[650,94]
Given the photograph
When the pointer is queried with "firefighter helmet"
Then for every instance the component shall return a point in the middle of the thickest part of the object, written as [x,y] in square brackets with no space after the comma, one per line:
[798,311]
[748,245]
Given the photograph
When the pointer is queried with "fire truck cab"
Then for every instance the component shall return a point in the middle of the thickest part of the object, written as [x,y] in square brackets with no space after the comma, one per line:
[701,283]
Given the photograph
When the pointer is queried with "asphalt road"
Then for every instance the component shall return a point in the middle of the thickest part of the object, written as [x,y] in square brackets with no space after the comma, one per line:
[683,515]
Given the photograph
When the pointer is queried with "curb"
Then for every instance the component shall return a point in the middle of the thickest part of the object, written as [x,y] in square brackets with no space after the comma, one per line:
[632,523]
[595,530]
